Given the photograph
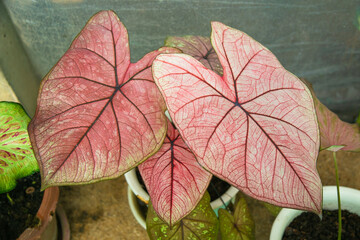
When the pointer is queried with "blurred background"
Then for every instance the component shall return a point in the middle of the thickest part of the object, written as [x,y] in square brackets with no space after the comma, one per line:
[317,40]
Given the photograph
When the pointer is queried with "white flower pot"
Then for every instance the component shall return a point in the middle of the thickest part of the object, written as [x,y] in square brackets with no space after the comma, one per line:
[350,200]
[136,190]
[135,209]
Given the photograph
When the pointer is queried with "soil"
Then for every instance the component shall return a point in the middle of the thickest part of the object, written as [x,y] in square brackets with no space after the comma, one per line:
[19,213]
[309,226]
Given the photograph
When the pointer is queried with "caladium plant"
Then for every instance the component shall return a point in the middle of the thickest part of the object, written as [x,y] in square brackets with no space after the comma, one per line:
[99,115]
[254,127]
[175,181]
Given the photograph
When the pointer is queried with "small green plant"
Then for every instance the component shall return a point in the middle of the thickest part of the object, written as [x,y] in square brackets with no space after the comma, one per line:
[17,159]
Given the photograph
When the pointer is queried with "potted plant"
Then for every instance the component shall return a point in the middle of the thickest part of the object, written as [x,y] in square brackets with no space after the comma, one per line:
[220,192]
[173,149]
[99,116]
[349,202]
[336,135]
[26,213]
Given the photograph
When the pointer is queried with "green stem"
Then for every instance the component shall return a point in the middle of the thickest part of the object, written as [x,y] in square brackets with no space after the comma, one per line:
[10,199]
[338,196]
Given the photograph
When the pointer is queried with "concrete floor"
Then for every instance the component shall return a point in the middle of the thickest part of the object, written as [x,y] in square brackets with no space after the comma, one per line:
[100,210]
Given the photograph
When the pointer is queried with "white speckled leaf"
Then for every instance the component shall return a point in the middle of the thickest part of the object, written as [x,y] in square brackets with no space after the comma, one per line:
[239,226]
[199,224]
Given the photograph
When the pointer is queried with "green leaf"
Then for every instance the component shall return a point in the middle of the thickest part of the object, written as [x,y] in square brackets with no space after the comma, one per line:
[199,224]
[238,227]
[274,210]
[17,159]
[334,148]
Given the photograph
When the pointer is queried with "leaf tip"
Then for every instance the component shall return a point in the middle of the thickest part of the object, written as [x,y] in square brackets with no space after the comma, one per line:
[215,24]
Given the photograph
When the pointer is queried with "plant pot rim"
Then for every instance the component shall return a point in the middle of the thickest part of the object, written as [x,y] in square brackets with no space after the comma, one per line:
[63,221]
[349,201]
[134,207]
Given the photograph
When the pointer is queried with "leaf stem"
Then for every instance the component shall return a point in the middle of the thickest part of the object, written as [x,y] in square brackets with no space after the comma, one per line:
[10,199]
[338,196]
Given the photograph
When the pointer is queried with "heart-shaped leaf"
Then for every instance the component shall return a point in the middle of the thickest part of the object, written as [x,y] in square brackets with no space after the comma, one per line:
[201,223]
[17,159]
[239,226]
[255,127]
[199,48]
[98,115]
[175,180]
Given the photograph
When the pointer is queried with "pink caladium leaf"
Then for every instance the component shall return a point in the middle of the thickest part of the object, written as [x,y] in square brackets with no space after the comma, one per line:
[335,133]
[199,48]
[254,127]
[175,180]
[98,115]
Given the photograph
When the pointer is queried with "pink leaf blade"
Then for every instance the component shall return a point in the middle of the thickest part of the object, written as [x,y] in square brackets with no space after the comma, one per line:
[106,37]
[98,115]
[335,132]
[211,94]
[265,139]
[175,181]
[235,49]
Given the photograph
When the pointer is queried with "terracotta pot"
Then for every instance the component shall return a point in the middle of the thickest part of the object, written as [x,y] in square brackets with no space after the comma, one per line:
[349,201]
[48,228]
[136,190]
